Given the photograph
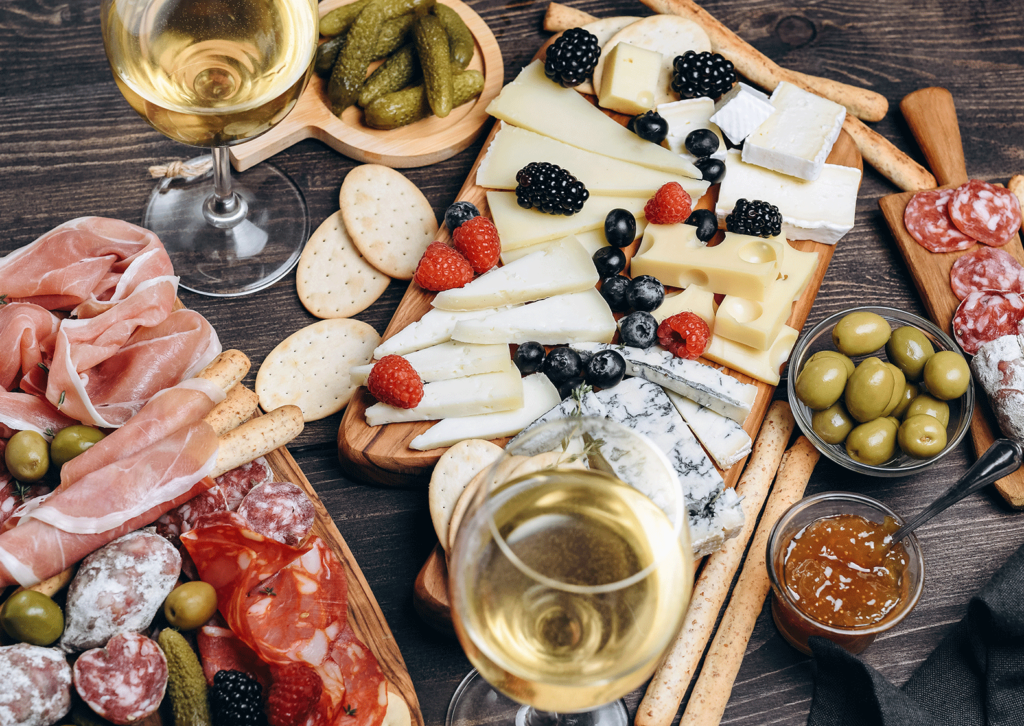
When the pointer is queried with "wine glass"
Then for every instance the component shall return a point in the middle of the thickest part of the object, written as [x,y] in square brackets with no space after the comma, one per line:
[213,73]
[570,576]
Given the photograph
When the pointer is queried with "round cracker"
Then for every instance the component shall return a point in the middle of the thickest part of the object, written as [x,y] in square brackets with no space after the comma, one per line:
[390,221]
[451,475]
[604,29]
[499,474]
[332,278]
[669,35]
[311,367]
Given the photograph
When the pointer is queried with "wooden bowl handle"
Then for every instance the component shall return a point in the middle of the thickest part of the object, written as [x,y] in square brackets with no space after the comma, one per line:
[931,115]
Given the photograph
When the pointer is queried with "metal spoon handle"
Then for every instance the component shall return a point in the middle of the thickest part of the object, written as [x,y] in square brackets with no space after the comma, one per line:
[1002,458]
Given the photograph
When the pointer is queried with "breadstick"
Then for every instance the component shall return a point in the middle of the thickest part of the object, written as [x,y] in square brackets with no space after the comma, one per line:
[562,17]
[257,437]
[233,410]
[889,161]
[714,685]
[666,689]
[226,369]
[1016,185]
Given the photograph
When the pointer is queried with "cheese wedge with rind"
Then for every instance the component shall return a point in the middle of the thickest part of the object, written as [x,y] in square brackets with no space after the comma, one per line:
[445,361]
[578,316]
[723,438]
[434,327]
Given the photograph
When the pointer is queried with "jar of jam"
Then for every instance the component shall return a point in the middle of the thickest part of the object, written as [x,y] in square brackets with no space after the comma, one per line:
[836,573]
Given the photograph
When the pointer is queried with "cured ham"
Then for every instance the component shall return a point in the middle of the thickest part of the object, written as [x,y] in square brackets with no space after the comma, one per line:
[27,335]
[24,412]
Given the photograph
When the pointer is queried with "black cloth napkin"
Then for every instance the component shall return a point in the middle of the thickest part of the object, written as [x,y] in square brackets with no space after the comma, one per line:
[975,677]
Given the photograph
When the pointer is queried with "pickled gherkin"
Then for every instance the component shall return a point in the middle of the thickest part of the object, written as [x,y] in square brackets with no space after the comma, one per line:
[435,62]
[393,35]
[327,56]
[410,105]
[394,74]
[340,19]
[460,40]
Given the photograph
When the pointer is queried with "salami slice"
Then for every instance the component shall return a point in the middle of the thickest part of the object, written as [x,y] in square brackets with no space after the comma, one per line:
[279,510]
[125,681]
[988,213]
[366,695]
[222,650]
[986,315]
[239,482]
[35,685]
[927,219]
[986,268]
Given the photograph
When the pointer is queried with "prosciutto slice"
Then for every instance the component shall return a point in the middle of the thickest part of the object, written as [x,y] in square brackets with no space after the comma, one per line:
[27,335]
[22,412]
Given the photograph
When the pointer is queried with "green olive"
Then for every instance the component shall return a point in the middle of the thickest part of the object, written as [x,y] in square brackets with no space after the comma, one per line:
[821,383]
[910,392]
[72,441]
[909,349]
[860,333]
[946,375]
[873,442]
[31,617]
[922,437]
[833,424]
[189,606]
[869,390]
[27,456]
[837,355]
[899,383]
[927,405]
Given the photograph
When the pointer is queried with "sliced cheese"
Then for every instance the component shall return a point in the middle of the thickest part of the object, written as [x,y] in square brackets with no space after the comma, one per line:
[534,102]
[434,327]
[518,227]
[513,148]
[592,240]
[562,268]
[683,118]
[630,81]
[448,360]
[763,365]
[576,317]
[539,395]
[486,393]
[757,324]
[693,299]
[740,111]
[723,438]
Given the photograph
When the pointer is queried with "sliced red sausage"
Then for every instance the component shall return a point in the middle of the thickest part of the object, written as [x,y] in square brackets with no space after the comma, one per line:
[927,219]
[986,268]
[985,316]
[988,213]
[279,510]
[125,681]
[35,685]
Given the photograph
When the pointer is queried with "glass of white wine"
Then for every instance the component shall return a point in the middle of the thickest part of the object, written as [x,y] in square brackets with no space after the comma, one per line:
[213,73]
[570,576]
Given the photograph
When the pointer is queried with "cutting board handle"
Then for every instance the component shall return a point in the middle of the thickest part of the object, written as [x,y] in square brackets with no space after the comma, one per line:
[931,115]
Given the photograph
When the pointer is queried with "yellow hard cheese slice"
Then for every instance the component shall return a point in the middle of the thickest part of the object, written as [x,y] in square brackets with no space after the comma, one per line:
[763,365]
[693,299]
[740,265]
[630,80]
[757,324]
[518,227]
[592,240]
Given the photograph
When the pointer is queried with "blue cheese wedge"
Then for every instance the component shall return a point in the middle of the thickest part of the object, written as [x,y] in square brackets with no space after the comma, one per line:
[571,318]
[740,111]
[445,361]
[583,403]
[434,327]
[723,438]
[486,393]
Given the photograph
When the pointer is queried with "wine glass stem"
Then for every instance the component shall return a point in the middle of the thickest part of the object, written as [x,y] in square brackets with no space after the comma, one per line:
[533,717]
[224,208]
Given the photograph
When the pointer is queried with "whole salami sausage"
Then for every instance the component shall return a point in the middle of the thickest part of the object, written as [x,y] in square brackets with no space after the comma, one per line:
[279,510]
[988,213]
[35,685]
[927,219]
[985,316]
[986,268]
[124,682]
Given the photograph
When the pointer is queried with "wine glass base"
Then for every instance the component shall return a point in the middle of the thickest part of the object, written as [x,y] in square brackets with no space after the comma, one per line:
[476,701]
[257,251]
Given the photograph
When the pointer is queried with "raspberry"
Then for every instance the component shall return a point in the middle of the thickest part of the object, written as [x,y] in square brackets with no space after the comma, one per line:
[395,382]
[442,268]
[294,694]
[478,241]
[684,335]
[669,205]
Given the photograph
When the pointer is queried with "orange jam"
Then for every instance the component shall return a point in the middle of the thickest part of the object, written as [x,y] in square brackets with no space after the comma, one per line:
[842,571]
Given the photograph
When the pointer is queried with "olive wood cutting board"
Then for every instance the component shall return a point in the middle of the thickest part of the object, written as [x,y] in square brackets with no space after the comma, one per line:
[931,115]
[422,143]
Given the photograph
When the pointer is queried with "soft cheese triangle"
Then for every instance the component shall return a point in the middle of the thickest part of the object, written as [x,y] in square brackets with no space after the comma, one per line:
[576,317]
[534,102]
[449,360]
[563,268]
[434,327]
[724,439]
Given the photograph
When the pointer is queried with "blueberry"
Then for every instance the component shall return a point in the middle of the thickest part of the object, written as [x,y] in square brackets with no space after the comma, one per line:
[706,223]
[562,364]
[712,170]
[529,357]
[702,142]
[459,213]
[645,293]
[609,261]
[620,228]
[638,329]
[650,126]
[605,369]
[565,388]
[613,290]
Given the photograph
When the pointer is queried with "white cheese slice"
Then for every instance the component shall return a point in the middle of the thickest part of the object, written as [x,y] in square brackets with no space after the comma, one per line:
[740,111]
[444,361]
[562,268]
[821,210]
[539,395]
[798,137]
[693,299]
[723,438]
[568,318]
[513,148]
[683,118]
[434,327]
[592,240]
[486,393]
[763,365]
[534,102]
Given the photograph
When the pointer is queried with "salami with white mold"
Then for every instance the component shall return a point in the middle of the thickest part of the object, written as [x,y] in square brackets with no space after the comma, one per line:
[987,268]
[35,685]
[988,213]
[986,315]
[125,681]
[279,510]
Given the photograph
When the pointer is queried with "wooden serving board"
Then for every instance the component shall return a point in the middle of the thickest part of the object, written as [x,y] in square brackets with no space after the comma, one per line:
[931,115]
[425,142]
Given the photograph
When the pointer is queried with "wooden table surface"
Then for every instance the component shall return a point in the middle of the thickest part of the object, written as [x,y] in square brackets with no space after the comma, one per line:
[71,146]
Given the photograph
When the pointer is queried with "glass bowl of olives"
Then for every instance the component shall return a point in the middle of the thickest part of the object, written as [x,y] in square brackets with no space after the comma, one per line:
[880,391]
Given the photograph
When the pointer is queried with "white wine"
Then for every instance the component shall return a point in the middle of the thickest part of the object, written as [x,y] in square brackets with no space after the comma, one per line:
[211,72]
[597,594]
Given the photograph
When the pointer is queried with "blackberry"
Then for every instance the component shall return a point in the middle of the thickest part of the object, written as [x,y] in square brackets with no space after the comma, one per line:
[572,58]
[550,188]
[760,219]
[236,699]
[702,74]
